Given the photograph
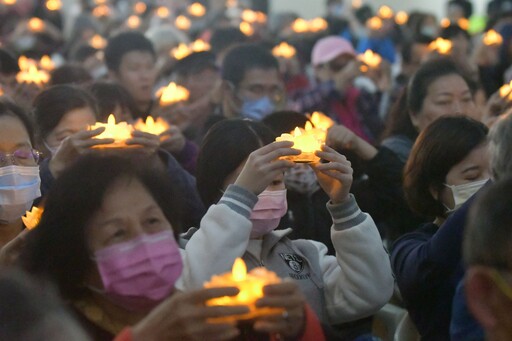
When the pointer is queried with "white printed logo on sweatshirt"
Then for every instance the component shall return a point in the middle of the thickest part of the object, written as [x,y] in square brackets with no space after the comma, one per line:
[294,261]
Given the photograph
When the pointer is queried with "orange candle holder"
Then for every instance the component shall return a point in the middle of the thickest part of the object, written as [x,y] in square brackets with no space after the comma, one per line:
[32,218]
[401,18]
[250,285]
[492,38]
[441,46]
[506,91]
[385,12]
[371,59]
[120,132]
[196,9]
[307,140]
[284,50]
[172,94]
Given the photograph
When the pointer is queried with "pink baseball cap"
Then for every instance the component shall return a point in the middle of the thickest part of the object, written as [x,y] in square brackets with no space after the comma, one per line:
[328,48]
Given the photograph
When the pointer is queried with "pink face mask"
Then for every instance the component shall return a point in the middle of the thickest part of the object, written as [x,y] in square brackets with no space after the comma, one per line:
[140,273]
[267,212]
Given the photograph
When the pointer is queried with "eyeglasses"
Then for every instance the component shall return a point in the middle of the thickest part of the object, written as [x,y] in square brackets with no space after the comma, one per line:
[20,157]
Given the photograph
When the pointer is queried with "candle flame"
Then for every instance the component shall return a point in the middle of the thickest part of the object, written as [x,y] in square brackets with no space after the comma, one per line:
[200,45]
[36,25]
[101,11]
[374,23]
[239,270]
[139,8]
[370,58]
[181,51]
[249,16]
[9,2]
[172,93]
[32,75]
[300,25]
[463,23]
[506,91]
[318,24]
[47,63]
[133,22]
[246,28]
[152,126]
[284,50]
[314,25]
[32,218]
[401,18]
[445,22]
[183,23]
[163,12]
[98,42]
[53,5]
[440,45]
[196,10]
[385,12]
[492,38]
[321,121]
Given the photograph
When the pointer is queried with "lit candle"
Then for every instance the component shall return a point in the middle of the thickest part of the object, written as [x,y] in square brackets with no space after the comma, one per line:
[321,121]
[385,12]
[261,17]
[284,50]
[200,45]
[370,58]
[183,23]
[101,11]
[374,23]
[9,2]
[46,63]
[172,94]
[492,38]
[249,16]
[163,12]
[53,5]
[32,218]
[196,9]
[401,18]
[181,51]
[463,23]
[139,8]
[246,28]
[506,91]
[307,140]
[133,22]
[441,46]
[357,4]
[120,132]
[251,289]
[300,25]
[32,75]
[445,22]
[36,25]
[98,42]
[152,126]
[318,24]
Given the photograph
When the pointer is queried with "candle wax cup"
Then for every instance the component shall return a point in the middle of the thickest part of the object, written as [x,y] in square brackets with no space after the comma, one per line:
[308,142]
[120,132]
[251,289]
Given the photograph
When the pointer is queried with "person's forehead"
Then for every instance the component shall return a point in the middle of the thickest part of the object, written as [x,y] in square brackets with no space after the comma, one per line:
[137,56]
[261,76]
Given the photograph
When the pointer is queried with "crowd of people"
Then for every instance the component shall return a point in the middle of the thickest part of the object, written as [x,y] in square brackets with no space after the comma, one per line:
[408,204]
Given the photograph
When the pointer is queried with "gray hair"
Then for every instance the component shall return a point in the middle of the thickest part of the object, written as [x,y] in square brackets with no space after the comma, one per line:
[501,147]
[488,234]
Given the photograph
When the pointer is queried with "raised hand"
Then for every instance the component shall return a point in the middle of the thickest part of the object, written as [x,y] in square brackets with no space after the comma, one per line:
[335,176]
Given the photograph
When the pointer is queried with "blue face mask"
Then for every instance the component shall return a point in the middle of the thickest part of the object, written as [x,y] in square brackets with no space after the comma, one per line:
[257,109]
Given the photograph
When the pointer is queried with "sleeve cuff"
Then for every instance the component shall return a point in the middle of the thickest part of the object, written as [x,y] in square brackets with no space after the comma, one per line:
[239,200]
[346,214]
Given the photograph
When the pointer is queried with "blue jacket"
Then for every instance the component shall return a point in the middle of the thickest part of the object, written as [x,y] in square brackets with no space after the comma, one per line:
[427,265]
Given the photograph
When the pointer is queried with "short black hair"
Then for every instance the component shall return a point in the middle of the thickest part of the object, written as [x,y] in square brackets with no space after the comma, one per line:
[225,146]
[8,63]
[224,37]
[285,121]
[8,108]
[427,74]
[245,57]
[454,31]
[108,95]
[81,52]
[52,104]
[409,44]
[194,64]
[70,74]
[442,145]
[58,248]
[124,43]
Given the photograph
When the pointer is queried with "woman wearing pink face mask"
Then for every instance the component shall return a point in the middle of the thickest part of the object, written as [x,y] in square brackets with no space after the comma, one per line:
[240,177]
[109,243]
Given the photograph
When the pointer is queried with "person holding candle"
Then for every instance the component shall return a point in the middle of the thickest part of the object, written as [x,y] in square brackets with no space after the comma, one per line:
[19,178]
[247,199]
[110,244]
[63,114]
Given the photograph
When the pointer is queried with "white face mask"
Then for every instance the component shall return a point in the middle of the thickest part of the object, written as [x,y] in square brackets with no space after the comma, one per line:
[301,179]
[19,186]
[461,193]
